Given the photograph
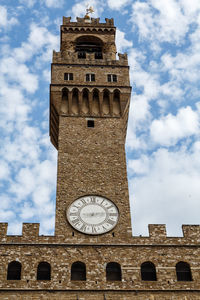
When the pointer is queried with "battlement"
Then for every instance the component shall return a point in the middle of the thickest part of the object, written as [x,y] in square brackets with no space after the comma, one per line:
[157,235]
[88,22]
[68,57]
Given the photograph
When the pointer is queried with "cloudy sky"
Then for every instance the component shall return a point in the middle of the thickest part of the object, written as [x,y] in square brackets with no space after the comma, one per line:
[163,147]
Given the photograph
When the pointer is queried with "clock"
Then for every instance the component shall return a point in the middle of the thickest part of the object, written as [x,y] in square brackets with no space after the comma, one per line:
[93,215]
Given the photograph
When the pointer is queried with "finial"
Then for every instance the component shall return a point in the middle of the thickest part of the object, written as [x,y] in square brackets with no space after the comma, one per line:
[89,10]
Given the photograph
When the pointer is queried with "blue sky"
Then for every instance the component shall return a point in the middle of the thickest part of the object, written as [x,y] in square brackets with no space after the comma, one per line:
[163,146]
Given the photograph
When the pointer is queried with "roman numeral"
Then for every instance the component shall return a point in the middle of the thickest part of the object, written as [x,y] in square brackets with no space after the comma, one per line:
[110,222]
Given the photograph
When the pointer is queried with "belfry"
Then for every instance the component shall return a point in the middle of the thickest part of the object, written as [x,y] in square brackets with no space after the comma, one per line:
[93,255]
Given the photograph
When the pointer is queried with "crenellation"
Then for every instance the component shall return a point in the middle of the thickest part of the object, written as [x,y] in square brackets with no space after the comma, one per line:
[30,230]
[191,232]
[3,229]
[157,231]
[88,22]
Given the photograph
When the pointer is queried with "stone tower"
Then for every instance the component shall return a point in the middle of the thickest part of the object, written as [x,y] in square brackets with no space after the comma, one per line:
[89,102]
[93,255]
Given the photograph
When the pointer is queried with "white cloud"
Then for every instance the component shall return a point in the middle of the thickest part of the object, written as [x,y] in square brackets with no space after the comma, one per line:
[79,9]
[163,21]
[54,3]
[5,21]
[4,171]
[121,42]
[19,73]
[29,3]
[117,4]
[166,191]
[41,41]
[169,129]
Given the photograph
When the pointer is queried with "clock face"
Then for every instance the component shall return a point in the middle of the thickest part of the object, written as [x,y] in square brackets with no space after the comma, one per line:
[93,215]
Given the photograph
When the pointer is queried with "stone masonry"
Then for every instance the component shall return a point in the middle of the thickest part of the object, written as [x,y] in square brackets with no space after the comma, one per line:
[88,120]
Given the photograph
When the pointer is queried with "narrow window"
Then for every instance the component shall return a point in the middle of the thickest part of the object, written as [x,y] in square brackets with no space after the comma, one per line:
[78,271]
[90,123]
[44,271]
[112,78]
[109,78]
[183,272]
[113,272]
[68,76]
[148,271]
[14,271]
[90,77]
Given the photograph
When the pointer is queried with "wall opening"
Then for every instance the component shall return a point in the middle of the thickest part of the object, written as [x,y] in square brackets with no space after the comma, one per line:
[183,271]
[113,272]
[106,103]
[14,271]
[89,44]
[78,271]
[148,271]
[85,102]
[65,103]
[44,271]
[116,103]
[90,123]
[75,106]
[95,103]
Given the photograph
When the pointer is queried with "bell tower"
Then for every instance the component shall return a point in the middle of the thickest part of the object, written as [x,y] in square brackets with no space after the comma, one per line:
[89,104]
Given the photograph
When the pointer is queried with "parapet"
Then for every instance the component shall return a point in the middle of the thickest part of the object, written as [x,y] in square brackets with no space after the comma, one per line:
[30,230]
[91,21]
[157,231]
[3,229]
[68,57]
[191,232]
[157,236]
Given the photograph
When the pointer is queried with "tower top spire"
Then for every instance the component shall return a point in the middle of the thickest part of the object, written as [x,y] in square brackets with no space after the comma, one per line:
[89,10]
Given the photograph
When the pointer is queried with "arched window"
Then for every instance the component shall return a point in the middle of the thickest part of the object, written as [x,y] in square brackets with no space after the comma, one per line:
[113,272]
[95,102]
[44,271]
[148,271]
[106,102]
[89,44]
[14,271]
[78,271]
[183,271]
[116,103]
[85,101]
[75,105]
[65,102]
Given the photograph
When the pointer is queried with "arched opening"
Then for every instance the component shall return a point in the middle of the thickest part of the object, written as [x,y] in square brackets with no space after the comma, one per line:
[89,44]
[113,272]
[183,271]
[106,103]
[95,102]
[14,271]
[78,271]
[116,103]
[75,108]
[44,271]
[85,101]
[148,271]
[65,102]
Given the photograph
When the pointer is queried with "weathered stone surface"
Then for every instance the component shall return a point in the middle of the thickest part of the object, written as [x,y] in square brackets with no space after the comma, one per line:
[91,161]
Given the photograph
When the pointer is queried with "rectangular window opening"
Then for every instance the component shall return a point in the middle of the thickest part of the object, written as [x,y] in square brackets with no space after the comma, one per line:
[68,76]
[90,123]
[112,78]
[90,77]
